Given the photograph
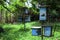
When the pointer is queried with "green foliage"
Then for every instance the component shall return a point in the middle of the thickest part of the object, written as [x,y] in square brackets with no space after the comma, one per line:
[15,5]
[16,32]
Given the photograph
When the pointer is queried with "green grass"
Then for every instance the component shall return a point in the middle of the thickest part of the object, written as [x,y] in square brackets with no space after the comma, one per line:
[16,32]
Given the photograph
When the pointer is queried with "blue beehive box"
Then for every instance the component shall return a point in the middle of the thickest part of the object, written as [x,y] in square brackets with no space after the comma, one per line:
[27,18]
[42,11]
[20,19]
[36,31]
[47,31]
[26,11]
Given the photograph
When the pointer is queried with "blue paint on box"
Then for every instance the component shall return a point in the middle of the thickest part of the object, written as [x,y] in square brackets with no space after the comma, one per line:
[20,19]
[42,13]
[47,31]
[27,18]
[36,32]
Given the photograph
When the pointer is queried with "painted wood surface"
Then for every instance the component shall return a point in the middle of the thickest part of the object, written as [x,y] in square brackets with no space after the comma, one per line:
[42,11]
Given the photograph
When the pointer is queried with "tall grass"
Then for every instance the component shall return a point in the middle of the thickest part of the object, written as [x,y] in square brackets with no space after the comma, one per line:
[16,32]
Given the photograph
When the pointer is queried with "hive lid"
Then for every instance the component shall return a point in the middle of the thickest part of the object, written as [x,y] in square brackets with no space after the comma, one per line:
[36,27]
[44,6]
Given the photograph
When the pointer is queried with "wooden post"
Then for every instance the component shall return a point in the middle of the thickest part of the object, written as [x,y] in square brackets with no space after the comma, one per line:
[24,22]
[42,23]
[42,34]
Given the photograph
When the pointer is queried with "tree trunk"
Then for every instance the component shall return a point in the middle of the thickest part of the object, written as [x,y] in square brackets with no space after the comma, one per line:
[1,14]
[6,17]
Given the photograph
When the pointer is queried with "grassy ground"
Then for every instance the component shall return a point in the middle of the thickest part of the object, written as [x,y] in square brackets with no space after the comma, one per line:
[16,32]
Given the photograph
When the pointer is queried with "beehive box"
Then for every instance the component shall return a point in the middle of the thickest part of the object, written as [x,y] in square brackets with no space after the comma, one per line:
[47,31]
[42,11]
[36,31]
[27,18]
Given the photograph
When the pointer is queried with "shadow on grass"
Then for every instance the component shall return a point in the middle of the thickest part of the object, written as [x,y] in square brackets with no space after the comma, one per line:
[36,23]
[26,30]
[19,34]
[58,28]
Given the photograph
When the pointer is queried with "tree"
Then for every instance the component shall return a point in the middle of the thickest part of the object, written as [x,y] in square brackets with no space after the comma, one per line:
[16,5]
